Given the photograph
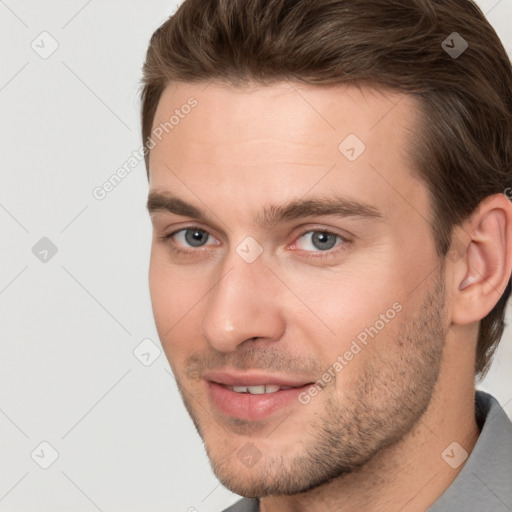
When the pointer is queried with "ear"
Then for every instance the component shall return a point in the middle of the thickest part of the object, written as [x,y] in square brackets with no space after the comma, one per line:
[482,269]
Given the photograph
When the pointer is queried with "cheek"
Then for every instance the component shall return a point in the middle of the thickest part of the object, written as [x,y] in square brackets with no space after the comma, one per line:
[169,294]
[348,299]
[159,288]
[176,294]
[351,313]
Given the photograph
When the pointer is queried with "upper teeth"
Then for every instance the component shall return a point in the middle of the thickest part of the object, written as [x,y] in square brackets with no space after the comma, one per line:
[257,390]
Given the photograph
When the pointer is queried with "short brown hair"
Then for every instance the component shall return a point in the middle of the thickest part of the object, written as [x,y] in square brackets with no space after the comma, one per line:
[464,153]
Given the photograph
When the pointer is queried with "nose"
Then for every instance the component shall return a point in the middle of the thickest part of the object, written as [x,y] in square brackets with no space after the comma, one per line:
[242,305]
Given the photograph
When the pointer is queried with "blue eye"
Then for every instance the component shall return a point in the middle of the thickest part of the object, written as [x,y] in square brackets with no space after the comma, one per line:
[320,243]
[194,237]
[321,240]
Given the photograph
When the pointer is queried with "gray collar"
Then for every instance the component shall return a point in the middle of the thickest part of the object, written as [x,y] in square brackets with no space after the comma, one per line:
[485,481]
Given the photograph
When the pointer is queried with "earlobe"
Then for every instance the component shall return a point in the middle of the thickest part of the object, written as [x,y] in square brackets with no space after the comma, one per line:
[485,268]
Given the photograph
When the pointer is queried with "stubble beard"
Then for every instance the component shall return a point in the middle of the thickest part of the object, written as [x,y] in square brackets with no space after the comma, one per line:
[385,403]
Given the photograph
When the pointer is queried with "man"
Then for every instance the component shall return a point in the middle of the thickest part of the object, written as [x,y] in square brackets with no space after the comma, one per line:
[332,247]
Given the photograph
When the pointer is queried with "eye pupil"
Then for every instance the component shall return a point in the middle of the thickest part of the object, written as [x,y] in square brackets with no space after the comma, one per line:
[323,241]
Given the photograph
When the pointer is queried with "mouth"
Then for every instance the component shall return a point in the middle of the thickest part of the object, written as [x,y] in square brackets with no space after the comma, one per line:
[251,396]
[258,390]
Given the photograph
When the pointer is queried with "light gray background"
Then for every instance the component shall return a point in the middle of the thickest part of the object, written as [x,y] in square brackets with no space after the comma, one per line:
[71,324]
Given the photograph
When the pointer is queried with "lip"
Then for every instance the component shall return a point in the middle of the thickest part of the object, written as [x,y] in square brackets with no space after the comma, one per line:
[247,406]
[253,379]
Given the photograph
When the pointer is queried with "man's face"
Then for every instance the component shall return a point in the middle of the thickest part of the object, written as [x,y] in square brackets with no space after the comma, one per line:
[305,258]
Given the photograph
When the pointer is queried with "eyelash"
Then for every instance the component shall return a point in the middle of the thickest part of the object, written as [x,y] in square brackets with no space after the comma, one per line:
[317,255]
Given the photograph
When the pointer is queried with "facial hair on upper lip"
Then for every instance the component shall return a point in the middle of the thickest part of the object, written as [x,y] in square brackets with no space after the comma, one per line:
[268,360]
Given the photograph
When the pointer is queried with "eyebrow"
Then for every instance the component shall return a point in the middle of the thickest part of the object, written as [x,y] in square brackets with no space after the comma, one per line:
[334,205]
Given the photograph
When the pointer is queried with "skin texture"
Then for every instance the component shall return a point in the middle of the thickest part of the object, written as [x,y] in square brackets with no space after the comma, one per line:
[372,438]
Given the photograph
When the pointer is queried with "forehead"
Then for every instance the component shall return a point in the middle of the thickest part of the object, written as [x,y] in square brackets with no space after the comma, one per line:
[252,117]
[284,139]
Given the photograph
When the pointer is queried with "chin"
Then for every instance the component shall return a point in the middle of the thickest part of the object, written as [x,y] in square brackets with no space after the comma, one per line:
[275,477]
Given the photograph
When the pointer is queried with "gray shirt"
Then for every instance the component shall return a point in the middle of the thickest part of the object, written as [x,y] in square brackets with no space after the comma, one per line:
[485,481]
